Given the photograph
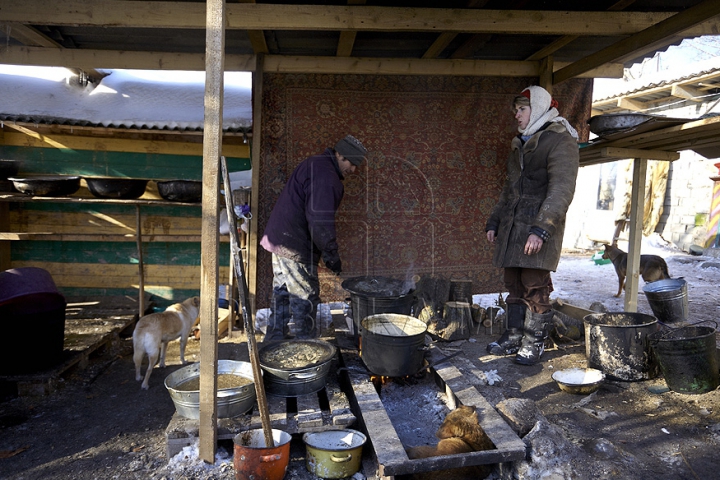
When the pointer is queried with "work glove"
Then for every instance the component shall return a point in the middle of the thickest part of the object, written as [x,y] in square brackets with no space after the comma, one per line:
[335,265]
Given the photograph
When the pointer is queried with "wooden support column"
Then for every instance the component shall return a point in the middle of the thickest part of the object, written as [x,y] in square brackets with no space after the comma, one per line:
[141,263]
[546,73]
[637,211]
[209,267]
[255,145]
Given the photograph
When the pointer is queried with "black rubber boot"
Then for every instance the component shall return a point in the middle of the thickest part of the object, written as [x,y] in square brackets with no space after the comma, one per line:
[536,330]
[509,342]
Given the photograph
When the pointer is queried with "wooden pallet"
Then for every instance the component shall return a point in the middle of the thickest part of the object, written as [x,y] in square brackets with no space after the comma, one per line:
[84,339]
[389,451]
[328,409]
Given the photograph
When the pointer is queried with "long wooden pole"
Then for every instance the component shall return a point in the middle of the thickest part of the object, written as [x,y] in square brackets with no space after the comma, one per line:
[246,310]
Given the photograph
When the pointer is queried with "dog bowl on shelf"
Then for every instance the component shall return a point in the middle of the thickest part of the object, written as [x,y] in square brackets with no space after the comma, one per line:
[189,191]
[579,380]
[121,188]
[47,185]
[235,392]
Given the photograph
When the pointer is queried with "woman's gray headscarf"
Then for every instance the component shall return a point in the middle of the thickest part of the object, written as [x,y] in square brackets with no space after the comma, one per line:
[543,110]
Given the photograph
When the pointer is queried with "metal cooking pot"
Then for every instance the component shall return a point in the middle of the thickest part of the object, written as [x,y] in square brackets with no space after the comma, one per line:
[393,345]
[122,188]
[370,295]
[47,185]
[189,191]
[293,368]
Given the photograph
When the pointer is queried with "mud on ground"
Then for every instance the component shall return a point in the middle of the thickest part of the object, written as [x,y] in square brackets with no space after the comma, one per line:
[101,425]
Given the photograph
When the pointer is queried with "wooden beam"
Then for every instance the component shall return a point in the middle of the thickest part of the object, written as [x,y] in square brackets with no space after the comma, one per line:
[209,265]
[119,59]
[562,41]
[623,153]
[652,38]
[28,35]
[553,47]
[546,73]
[630,104]
[257,40]
[440,44]
[400,66]
[286,63]
[687,92]
[250,16]
[257,37]
[346,44]
[347,38]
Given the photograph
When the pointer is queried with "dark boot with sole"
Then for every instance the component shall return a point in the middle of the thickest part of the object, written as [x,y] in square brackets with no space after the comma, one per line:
[509,342]
[536,330]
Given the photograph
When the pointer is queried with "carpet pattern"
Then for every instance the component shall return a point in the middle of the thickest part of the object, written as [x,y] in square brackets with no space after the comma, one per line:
[436,166]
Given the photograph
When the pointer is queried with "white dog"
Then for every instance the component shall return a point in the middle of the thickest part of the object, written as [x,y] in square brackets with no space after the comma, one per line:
[153,332]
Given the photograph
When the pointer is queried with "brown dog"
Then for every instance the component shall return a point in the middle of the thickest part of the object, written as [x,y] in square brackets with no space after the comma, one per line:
[652,267]
[460,432]
[153,332]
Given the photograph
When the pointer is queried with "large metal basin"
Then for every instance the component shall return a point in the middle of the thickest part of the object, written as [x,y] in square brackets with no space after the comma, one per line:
[231,402]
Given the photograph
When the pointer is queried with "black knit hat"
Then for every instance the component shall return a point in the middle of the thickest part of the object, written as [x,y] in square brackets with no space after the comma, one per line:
[351,148]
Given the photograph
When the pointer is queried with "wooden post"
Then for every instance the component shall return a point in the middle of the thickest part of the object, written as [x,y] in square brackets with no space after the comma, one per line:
[546,73]
[637,211]
[141,267]
[209,269]
[255,146]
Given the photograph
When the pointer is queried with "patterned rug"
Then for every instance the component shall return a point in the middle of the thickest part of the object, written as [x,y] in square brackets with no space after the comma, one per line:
[436,166]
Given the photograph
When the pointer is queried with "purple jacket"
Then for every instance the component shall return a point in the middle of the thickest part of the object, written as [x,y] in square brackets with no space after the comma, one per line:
[302,223]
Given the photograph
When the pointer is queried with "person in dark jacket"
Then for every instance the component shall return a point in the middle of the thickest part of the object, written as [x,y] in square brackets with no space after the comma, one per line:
[527,224]
[301,231]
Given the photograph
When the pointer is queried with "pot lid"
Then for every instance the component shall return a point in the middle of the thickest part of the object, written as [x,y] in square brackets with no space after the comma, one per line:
[377,286]
[296,354]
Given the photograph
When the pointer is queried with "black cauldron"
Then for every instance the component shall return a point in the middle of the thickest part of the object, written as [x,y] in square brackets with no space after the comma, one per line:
[122,188]
[188,191]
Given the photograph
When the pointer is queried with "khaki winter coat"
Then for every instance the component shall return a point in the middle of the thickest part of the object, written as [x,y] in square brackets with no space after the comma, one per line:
[540,185]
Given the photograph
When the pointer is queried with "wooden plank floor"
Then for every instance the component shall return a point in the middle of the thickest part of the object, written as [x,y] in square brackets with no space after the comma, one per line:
[389,451]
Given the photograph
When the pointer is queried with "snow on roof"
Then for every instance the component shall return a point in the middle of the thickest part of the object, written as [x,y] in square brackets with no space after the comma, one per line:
[692,58]
[168,100]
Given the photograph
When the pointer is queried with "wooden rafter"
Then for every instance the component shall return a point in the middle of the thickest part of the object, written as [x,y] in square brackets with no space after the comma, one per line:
[251,16]
[347,37]
[564,40]
[646,41]
[286,63]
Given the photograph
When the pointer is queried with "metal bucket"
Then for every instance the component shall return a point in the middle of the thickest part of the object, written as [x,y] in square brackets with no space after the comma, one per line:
[668,299]
[617,343]
[231,402]
[371,295]
[688,358]
[253,460]
[393,345]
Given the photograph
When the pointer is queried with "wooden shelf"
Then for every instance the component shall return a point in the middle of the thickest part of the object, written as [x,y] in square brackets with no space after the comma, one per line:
[18,197]
[95,237]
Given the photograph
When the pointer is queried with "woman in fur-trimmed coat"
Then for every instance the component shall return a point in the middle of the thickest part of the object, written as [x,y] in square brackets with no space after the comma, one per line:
[527,224]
